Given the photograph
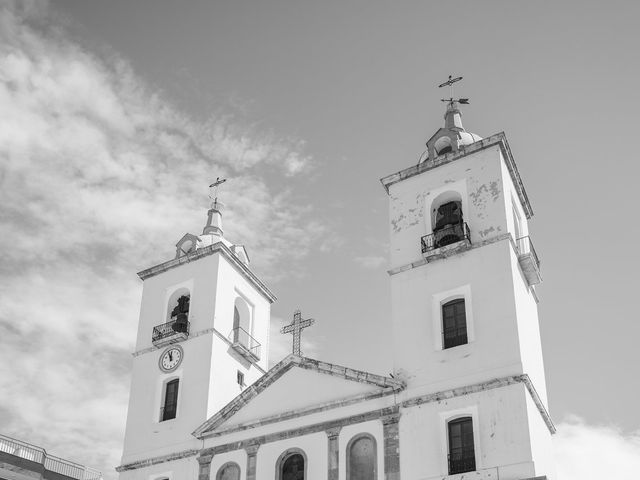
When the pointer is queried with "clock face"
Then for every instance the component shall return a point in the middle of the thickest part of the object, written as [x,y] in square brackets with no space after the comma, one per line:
[171,358]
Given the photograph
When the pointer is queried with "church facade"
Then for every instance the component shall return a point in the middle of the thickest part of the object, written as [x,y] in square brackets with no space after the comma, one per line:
[467,398]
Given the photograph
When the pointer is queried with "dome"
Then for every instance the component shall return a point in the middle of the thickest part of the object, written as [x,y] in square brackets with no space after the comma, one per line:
[452,136]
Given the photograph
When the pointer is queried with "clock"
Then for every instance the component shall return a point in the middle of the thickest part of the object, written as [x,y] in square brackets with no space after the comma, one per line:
[171,358]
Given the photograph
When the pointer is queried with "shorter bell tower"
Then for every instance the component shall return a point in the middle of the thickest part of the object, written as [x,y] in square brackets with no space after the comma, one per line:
[203,337]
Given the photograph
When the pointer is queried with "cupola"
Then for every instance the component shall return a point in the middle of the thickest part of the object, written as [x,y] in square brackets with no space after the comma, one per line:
[452,137]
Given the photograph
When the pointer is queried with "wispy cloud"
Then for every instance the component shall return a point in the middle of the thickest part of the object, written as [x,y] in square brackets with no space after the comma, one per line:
[371,262]
[100,175]
[593,452]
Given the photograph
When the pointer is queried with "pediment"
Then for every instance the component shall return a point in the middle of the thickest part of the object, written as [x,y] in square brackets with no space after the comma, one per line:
[295,387]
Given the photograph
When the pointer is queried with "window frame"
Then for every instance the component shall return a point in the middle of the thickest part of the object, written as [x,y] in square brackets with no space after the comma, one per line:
[441,298]
[165,392]
[446,417]
[459,328]
[466,420]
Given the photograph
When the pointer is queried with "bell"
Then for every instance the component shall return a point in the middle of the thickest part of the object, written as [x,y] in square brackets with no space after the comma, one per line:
[448,214]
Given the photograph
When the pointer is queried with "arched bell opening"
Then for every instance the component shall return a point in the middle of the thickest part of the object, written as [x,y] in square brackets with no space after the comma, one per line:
[443,145]
[178,310]
[447,221]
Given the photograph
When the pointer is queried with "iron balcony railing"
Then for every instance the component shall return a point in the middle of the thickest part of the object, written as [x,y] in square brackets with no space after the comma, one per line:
[525,247]
[242,341]
[169,329]
[445,236]
[462,459]
[50,462]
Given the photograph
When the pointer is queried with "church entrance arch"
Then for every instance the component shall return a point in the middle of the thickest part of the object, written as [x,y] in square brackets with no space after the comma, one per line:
[292,465]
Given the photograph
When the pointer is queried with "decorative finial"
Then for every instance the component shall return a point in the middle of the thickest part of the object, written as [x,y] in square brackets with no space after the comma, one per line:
[295,328]
[449,83]
[213,195]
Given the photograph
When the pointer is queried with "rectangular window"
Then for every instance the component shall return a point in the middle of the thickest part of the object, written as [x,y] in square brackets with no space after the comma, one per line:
[170,406]
[462,457]
[240,378]
[454,323]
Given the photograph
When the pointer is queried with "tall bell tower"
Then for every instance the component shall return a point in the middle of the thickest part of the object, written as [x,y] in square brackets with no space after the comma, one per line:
[202,338]
[464,311]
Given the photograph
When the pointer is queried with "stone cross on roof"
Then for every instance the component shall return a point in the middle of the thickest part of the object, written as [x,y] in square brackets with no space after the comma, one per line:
[295,328]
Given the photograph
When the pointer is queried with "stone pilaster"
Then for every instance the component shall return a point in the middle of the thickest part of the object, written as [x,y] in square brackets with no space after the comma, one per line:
[252,456]
[391,435]
[334,452]
[205,467]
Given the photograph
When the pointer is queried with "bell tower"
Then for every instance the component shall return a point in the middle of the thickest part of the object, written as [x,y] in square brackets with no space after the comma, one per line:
[463,276]
[202,338]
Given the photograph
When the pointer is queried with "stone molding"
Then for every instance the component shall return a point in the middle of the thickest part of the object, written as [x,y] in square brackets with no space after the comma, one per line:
[483,386]
[252,449]
[389,416]
[300,431]
[217,247]
[499,139]
[155,460]
[448,253]
[389,385]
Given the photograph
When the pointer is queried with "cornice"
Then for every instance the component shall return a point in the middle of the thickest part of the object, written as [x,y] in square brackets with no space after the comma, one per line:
[498,139]
[217,247]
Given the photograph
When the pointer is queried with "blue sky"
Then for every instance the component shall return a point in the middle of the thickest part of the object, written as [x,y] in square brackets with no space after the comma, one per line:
[117,115]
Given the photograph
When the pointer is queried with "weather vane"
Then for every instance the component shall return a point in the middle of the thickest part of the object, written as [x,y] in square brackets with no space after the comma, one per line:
[449,83]
[214,194]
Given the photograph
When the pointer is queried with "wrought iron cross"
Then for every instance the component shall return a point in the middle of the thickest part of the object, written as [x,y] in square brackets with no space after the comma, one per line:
[215,185]
[296,328]
[449,83]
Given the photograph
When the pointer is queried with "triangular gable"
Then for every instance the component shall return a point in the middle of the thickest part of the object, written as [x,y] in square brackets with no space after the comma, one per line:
[330,383]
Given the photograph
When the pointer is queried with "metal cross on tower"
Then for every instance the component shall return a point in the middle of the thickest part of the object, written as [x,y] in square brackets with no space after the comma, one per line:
[215,185]
[296,328]
[449,83]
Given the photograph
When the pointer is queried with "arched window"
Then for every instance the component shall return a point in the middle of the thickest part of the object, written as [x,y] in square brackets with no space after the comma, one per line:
[228,471]
[362,458]
[241,322]
[454,323]
[170,402]
[462,457]
[292,465]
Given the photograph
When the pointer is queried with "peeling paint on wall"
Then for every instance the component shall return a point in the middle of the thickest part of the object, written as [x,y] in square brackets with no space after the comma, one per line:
[486,231]
[408,217]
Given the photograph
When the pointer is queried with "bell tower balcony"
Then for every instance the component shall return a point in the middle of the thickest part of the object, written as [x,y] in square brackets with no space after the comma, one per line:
[451,237]
[170,332]
[243,343]
[528,259]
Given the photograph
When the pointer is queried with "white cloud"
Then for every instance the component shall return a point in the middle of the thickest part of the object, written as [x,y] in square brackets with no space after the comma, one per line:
[99,177]
[594,452]
[372,261]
